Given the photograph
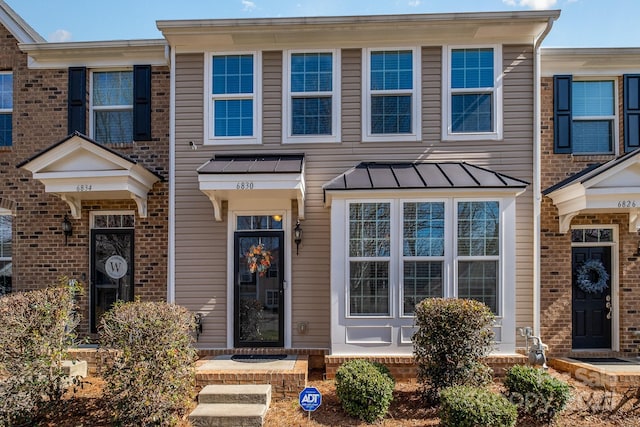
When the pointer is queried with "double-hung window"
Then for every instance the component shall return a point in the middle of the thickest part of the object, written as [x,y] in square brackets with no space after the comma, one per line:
[112,106]
[478,251]
[369,258]
[6,109]
[391,95]
[472,106]
[312,105]
[593,116]
[584,115]
[6,238]
[423,255]
[233,98]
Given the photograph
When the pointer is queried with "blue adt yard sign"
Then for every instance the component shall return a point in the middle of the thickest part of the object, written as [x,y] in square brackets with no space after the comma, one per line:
[310,399]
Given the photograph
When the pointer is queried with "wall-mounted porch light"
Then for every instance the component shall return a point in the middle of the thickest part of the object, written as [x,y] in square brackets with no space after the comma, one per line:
[637,253]
[297,235]
[67,228]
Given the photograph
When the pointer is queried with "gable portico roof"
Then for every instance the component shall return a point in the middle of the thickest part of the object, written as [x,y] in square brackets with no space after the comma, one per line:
[79,168]
[22,31]
[613,186]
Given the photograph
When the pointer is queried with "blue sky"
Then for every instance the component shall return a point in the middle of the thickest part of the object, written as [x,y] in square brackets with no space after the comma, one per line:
[583,23]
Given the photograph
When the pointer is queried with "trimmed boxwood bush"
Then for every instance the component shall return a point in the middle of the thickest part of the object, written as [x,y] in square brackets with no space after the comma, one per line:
[537,394]
[453,338]
[463,406]
[37,329]
[365,389]
[150,362]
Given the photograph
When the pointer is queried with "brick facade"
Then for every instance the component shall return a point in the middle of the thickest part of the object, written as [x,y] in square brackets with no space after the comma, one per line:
[555,247]
[40,255]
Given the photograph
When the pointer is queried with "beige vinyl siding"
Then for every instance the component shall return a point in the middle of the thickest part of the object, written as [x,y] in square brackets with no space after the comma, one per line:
[201,242]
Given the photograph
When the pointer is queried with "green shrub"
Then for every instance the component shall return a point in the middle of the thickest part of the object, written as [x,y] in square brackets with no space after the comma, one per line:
[453,337]
[463,406]
[150,362]
[37,329]
[365,389]
[537,394]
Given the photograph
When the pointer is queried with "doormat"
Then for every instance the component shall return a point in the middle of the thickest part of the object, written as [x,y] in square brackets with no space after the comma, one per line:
[604,360]
[257,358]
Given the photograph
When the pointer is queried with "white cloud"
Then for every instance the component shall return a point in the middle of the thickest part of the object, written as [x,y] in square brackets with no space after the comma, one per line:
[414,3]
[60,36]
[248,6]
[533,4]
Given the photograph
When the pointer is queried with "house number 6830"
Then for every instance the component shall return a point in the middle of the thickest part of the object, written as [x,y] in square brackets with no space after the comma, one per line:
[244,185]
[627,204]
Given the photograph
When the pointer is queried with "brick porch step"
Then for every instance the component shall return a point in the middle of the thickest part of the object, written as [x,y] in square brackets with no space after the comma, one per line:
[231,405]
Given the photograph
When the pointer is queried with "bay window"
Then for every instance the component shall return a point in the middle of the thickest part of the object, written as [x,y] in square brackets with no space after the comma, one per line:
[438,248]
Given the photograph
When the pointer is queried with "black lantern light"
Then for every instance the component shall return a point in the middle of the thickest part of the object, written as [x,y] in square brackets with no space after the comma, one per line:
[297,235]
[67,228]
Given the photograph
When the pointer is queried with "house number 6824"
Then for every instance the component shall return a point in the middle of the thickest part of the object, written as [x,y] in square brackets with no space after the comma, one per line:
[244,185]
[627,204]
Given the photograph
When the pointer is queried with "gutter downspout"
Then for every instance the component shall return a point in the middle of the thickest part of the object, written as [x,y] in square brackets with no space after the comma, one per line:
[171,256]
[537,194]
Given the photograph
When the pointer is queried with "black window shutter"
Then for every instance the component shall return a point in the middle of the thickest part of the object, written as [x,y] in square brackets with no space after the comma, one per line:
[562,114]
[77,99]
[631,112]
[142,103]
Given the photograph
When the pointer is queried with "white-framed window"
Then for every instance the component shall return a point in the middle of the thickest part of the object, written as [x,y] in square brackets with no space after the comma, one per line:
[478,251]
[409,250]
[391,94]
[472,103]
[6,251]
[593,108]
[311,96]
[6,108]
[111,105]
[232,104]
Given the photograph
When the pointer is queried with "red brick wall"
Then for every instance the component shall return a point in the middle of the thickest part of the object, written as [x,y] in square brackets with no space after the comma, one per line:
[555,253]
[40,255]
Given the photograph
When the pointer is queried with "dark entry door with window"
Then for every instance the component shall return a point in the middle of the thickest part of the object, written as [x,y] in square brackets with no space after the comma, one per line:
[111,270]
[259,289]
[591,311]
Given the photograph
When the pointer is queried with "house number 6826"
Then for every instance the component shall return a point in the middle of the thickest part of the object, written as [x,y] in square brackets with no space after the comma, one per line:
[244,185]
[627,204]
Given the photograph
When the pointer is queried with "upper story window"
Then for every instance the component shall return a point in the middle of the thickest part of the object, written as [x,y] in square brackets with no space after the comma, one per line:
[311,107]
[593,116]
[584,115]
[233,98]
[112,106]
[6,109]
[473,103]
[391,95]
[6,239]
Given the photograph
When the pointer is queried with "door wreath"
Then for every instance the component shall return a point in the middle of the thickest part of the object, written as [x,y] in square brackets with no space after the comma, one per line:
[258,259]
[592,276]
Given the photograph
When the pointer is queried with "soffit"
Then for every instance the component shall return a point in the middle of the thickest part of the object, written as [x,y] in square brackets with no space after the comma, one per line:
[357,31]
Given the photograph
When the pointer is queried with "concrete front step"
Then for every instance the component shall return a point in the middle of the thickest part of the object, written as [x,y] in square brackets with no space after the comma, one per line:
[228,415]
[236,393]
[233,405]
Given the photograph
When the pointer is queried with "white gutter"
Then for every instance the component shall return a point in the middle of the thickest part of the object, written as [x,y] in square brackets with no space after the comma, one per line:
[537,192]
[171,263]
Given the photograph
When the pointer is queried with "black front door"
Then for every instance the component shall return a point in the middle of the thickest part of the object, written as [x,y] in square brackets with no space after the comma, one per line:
[591,310]
[259,289]
[111,270]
